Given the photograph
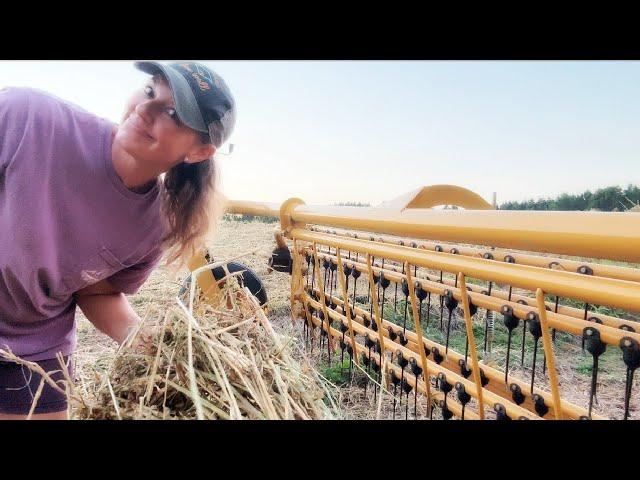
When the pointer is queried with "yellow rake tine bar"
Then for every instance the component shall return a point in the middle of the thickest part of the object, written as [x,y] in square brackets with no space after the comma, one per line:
[495,376]
[607,235]
[434,368]
[416,321]
[549,357]
[599,270]
[345,305]
[612,335]
[587,234]
[323,296]
[601,291]
[472,342]
[395,276]
[376,308]
[453,406]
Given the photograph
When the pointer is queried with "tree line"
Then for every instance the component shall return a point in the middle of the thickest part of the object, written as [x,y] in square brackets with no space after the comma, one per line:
[609,199]
[351,204]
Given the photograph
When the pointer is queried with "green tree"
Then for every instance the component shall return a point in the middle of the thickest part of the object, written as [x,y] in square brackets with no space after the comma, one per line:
[605,199]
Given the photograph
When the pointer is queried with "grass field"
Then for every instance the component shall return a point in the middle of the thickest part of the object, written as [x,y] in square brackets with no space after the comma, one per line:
[237,238]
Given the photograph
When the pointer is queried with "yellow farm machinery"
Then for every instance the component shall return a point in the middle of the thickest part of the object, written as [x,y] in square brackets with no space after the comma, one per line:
[468,312]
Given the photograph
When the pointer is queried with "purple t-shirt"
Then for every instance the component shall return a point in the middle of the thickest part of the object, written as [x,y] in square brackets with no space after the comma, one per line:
[66,220]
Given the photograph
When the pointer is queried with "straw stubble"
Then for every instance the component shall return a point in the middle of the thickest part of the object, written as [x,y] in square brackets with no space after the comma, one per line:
[205,362]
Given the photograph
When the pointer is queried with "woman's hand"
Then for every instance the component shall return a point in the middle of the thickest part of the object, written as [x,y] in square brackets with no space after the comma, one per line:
[145,339]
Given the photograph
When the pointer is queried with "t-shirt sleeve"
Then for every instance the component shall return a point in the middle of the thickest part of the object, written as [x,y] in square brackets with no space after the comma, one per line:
[132,278]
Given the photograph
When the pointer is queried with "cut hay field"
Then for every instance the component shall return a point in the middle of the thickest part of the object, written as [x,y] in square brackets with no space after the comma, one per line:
[235,238]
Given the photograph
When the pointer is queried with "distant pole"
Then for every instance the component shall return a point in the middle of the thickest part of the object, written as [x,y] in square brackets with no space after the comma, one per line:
[495,203]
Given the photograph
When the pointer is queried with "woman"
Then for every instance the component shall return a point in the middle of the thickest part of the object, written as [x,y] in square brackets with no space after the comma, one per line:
[85,215]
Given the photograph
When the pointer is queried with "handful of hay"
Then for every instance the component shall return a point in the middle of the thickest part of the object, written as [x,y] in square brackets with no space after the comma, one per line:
[205,362]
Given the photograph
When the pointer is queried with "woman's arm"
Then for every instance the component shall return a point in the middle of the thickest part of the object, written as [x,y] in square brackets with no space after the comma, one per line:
[108,309]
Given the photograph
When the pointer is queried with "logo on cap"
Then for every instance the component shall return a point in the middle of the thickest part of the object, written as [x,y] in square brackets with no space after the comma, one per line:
[201,76]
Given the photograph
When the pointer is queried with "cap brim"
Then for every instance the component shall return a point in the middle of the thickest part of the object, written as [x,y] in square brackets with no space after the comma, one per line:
[185,102]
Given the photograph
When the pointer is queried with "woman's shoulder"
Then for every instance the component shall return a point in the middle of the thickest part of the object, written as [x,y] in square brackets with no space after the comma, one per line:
[22,97]
[20,109]
[15,102]
[18,93]
[28,100]
[40,111]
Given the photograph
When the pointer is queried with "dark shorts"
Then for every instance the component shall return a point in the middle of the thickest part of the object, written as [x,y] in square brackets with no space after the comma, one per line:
[19,384]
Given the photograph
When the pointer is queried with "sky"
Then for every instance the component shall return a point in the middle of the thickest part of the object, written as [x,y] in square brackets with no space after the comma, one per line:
[369,131]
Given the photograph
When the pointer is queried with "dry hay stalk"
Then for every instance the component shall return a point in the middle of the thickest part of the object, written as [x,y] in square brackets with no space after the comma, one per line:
[206,362]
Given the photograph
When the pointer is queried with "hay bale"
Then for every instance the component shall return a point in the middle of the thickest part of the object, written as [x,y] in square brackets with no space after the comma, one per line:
[207,362]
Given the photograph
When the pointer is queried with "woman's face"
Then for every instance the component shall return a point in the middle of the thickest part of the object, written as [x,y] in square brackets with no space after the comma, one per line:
[151,132]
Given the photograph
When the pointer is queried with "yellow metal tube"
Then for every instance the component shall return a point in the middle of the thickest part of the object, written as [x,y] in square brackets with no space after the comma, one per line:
[434,195]
[601,291]
[608,235]
[599,269]
[264,209]
[589,234]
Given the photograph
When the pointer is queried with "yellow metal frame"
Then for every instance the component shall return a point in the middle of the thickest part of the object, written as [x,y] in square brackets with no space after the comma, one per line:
[554,263]
[205,280]
[503,247]
[612,236]
[519,301]
[435,195]
[601,291]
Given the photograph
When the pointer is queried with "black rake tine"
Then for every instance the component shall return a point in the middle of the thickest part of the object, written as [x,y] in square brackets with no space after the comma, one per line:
[555,310]
[586,310]
[394,400]
[506,370]
[384,290]
[486,330]
[404,322]
[524,333]
[406,408]
[533,369]
[446,350]
[594,383]
[627,393]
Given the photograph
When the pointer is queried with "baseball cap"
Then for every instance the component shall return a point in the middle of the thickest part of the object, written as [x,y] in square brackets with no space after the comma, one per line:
[201,97]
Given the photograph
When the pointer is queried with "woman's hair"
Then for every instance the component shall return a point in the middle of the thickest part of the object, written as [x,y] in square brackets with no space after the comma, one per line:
[192,204]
